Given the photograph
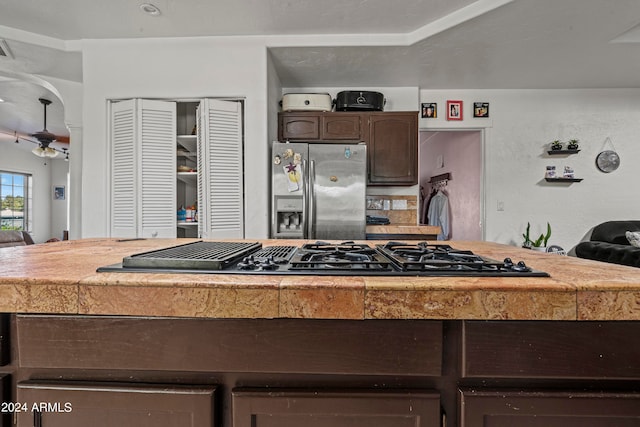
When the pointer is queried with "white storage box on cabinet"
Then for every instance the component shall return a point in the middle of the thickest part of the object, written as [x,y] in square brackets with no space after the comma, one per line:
[306,102]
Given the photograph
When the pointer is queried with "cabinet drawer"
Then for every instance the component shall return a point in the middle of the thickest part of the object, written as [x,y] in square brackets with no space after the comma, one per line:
[377,347]
[309,408]
[499,408]
[71,404]
[577,350]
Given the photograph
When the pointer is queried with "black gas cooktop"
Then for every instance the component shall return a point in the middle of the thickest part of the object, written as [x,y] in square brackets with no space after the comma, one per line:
[322,258]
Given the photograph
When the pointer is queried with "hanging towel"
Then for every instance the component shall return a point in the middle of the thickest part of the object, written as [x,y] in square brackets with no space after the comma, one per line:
[439,214]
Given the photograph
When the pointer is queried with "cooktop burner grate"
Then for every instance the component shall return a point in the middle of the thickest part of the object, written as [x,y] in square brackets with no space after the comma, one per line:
[345,256]
[440,258]
[196,255]
[271,258]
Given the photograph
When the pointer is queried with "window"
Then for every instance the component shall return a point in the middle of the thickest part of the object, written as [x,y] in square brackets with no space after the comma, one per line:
[15,201]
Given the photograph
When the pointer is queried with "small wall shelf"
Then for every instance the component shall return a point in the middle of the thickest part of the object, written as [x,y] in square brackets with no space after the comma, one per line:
[563,179]
[556,152]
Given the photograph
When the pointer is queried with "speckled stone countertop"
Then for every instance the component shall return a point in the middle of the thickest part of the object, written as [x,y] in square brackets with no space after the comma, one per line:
[61,278]
[403,229]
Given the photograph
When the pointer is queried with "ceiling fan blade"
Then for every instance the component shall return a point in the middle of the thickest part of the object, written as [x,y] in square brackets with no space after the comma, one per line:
[32,137]
[44,136]
[47,137]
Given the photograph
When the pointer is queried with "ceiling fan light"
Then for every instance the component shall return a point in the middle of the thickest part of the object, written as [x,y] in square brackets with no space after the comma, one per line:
[38,151]
[50,152]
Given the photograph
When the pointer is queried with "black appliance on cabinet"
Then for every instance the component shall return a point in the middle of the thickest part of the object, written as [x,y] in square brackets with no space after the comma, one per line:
[351,100]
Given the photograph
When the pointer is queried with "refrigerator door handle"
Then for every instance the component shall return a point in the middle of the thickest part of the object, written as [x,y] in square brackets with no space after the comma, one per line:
[312,197]
[305,198]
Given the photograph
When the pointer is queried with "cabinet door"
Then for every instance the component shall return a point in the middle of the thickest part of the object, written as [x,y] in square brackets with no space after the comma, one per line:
[124,201]
[5,396]
[570,350]
[143,159]
[290,408]
[5,348]
[298,126]
[108,405]
[220,170]
[341,126]
[393,148]
[494,408]
[157,168]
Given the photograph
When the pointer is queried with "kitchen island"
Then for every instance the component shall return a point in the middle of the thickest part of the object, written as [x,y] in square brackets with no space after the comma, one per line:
[250,350]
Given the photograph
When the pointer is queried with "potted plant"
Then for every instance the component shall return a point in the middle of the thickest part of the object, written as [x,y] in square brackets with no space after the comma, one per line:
[573,144]
[556,145]
[540,243]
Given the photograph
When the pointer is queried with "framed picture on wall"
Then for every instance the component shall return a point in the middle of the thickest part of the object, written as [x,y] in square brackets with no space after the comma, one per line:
[454,110]
[480,109]
[58,192]
[429,110]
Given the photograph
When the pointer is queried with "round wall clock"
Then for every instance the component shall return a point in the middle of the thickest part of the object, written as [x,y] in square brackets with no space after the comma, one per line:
[608,161]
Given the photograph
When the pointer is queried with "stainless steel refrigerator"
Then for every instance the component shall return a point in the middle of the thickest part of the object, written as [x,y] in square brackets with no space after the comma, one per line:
[318,191]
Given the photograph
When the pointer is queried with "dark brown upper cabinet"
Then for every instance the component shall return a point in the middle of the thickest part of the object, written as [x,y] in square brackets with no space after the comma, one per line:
[391,138]
[312,126]
[393,148]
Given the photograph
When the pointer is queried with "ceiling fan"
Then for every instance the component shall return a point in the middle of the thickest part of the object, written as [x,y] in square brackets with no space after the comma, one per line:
[45,137]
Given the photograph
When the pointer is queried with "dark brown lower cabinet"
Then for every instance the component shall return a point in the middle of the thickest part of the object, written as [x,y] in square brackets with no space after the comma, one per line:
[5,350]
[308,408]
[108,371]
[495,408]
[78,404]
[5,396]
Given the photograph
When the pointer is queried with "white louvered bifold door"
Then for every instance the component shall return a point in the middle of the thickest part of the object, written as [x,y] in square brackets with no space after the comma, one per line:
[203,219]
[123,169]
[223,189]
[157,166]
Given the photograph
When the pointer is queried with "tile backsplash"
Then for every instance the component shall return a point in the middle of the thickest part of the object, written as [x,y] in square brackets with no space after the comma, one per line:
[399,209]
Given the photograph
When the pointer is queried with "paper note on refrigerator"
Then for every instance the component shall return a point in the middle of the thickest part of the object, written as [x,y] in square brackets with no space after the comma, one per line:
[294,178]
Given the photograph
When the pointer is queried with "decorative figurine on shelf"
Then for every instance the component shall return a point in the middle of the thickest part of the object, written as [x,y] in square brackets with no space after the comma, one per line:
[568,172]
[556,145]
[573,144]
[551,172]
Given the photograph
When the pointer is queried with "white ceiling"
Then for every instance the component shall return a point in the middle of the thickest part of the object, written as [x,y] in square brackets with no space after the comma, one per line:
[432,44]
